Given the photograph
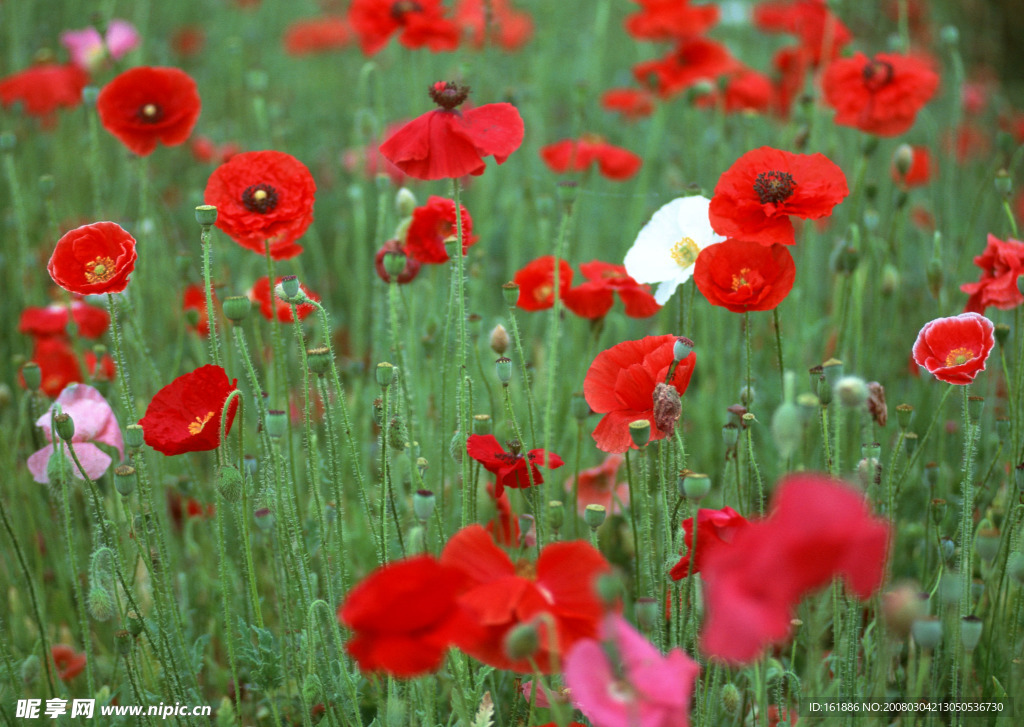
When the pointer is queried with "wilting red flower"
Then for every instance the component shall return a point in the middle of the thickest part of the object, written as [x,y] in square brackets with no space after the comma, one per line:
[598,486]
[670,20]
[503,595]
[817,529]
[744,276]
[881,95]
[52,320]
[270,304]
[263,197]
[593,299]
[714,528]
[693,60]
[920,171]
[536,283]
[570,155]
[92,259]
[746,91]
[145,105]
[194,304]
[1001,265]
[412,265]
[69,663]
[955,349]
[390,634]
[632,103]
[820,32]
[184,416]
[44,88]
[756,196]
[446,143]
[316,35]
[499,22]
[420,22]
[510,467]
[431,225]
[620,384]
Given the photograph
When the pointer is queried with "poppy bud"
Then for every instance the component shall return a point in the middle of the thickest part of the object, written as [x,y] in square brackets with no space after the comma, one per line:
[903,159]
[594,516]
[499,339]
[927,632]
[206,214]
[522,641]
[124,479]
[935,276]
[65,426]
[833,371]
[696,486]
[608,587]
[30,669]
[264,518]
[578,407]
[845,257]
[682,348]
[503,368]
[423,503]
[815,373]
[134,623]
[1002,332]
[986,543]
[229,483]
[319,360]
[1004,185]
[457,446]
[970,632]
[124,641]
[667,407]
[748,394]
[276,423]
[100,603]
[405,202]
[731,699]
[482,424]
[640,432]
[871,219]
[938,506]
[730,435]
[904,415]
[236,308]
[290,287]
[385,372]
[556,515]
[510,291]
[852,392]
[975,405]
[890,280]
[33,376]
[567,191]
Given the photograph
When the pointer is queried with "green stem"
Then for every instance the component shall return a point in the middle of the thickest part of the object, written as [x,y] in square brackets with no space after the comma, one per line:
[211,320]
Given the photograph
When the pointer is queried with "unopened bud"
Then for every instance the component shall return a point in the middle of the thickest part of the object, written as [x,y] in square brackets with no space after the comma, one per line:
[405,202]
[1004,185]
[30,669]
[731,700]
[33,376]
[499,339]
[578,407]
[229,483]
[236,308]
[522,641]
[100,603]
[556,515]
[935,276]
[903,159]
[647,613]
[319,360]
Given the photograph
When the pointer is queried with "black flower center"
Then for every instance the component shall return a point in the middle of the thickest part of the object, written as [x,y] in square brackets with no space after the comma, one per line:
[261,198]
[448,94]
[774,187]
[402,7]
[876,74]
[149,113]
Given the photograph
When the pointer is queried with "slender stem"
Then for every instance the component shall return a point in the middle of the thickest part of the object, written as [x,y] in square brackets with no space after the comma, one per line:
[211,320]
[778,348]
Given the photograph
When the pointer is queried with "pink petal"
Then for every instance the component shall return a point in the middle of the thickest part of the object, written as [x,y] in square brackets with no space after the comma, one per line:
[122,37]
[37,464]
[84,46]
[94,460]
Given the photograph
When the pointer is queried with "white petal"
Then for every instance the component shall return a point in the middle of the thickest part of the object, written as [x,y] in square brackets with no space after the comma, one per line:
[695,223]
[666,289]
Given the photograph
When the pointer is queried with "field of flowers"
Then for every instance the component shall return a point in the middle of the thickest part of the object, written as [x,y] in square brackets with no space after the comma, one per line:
[618,363]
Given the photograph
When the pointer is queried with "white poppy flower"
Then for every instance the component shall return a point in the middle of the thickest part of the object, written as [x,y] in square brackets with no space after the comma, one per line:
[668,245]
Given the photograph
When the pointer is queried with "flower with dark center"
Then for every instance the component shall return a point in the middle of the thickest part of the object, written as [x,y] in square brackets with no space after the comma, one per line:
[876,74]
[150,113]
[774,187]
[448,94]
[401,8]
[510,467]
[261,198]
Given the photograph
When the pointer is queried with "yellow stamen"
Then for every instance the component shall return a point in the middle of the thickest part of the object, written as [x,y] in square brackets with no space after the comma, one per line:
[197,426]
[959,356]
[684,253]
[99,270]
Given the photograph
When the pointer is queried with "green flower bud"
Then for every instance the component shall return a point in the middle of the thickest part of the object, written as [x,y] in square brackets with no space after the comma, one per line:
[31,667]
[787,429]
[229,483]
[556,515]
[405,202]
[522,641]
[33,376]
[1004,185]
[647,613]
[578,407]
[696,486]
[265,518]
[499,340]
[236,308]
[731,700]
[135,623]
[290,287]
[730,435]
[100,603]
[124,479]
[124,641]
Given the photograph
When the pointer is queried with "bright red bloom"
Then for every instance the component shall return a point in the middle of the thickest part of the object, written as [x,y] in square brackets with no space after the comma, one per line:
[409,272]
[791,64]
[52,320]
[316,35]
[593,299]
[446,143]
[694,60]
[756,196]
[955,349]
[746,91]
[431,225]
[499,22]
[503,595]
[599,486]
[421,23]
[504,526]
[405,615]
[44,88]
[1001,265]
[270,304]
[184,416]
[194,305]
[58,365]
[670,20]
[93,259]
[920,171]
[881,95]
[632,103]
[820,32]
[714,528]
[570,155]
[744,276]
[620,384]
[510,467]
[263,197]
[817,529]
[145,105]
[536,283]
[69,663]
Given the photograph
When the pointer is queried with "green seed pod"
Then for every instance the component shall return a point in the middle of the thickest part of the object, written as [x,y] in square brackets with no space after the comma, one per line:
[423,504]
[640,432]
[319,360]
[65,426]
[124,479]
[579,408]
[385,373]
[276,423]
[206,215]
[503,369]
[482,424]
[236,308]
[594,516]
[522,641]
[927,632]
[696,486]
[510,292]
[556,515]
[33,376]
[970,632]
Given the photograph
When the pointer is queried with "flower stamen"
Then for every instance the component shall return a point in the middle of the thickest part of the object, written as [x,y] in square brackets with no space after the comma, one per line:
[197,426]
[99,270]
[259,198]
[150,113]
[774,187]
[684,253]
[959,356]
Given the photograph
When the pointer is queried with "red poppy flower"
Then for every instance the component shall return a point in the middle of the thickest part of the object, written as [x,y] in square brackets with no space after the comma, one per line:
[504,526]
[746,91]
[102,369]
[431,225]
[145,105]
[316,35]
[93,259]
[967,142]
[405,615]
[881,95]
[58,365]
[600,486]
[1001,265]
[44,88]
[536,283]
[744,276]
[620,384]
[558,590]
[446,143]
[714,528]
[510,467]
[69,664]
[670,20]
[570,155]
[270,304]
[810,20]
[693,60]
[184,416]
[756,196]
[52,320]
[508,28]
[412,265]
[632,103]
[818,529]
[593,299]
[955,349]
[263,197]
[791,64]
[194,305]
[919,173]
[420,22]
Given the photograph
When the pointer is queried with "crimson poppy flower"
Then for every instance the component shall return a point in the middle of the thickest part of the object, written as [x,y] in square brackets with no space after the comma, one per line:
[100,369]
[918,173]
[670,20]
[757,195]
[69,663]
[510,467]
[1002,264]
[714,528]
[499,22]
[810,20]
[504,526]
[409,272]
[446,143]
[744,276]
[570,155]
[431,225]
[263,197]
[58,365]
[194,305]
[593,299]
[817,529]
[270,304]
[692,61]
[955,349]
[745,91]
[44,88]
[145,105]
[93,259]
[880,95]
[184,416]
[600,486]
[316,35]
[558,590]
[632,103]
[536,281]
[52,320]
[419,22]
[791,64]
[620,384]
[179,506]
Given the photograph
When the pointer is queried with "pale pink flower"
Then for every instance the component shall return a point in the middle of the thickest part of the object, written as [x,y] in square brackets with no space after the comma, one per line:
[88,49]
[94,422]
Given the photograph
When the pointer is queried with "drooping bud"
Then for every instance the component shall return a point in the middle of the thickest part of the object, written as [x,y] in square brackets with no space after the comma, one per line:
[229,483]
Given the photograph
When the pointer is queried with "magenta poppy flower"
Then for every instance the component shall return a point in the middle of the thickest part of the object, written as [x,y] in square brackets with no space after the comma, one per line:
[95,423]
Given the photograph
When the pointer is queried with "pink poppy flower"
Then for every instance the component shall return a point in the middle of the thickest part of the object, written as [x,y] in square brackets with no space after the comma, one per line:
[88,48]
